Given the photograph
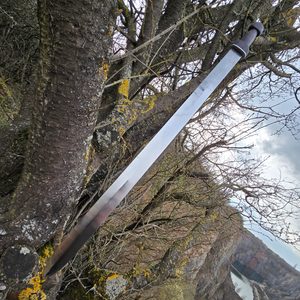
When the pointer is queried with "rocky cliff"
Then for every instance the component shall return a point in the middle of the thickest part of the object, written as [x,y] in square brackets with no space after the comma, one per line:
[164,266]
[176,238]
[272,278]
[173,238]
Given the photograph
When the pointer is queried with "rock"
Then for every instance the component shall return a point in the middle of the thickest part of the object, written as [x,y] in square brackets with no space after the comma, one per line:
[115,285]
[18,263]
[271,276]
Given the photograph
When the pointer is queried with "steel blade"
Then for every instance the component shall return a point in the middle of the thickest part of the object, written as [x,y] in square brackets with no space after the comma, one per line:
[143,161]
[82,232]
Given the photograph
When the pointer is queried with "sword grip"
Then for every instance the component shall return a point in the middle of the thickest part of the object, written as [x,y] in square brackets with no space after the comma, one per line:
[242,46]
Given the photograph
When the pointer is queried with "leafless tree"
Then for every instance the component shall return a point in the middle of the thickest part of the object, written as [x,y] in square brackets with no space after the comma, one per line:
[85,84]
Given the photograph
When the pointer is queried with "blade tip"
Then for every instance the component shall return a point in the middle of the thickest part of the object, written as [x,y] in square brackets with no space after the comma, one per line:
[51,272]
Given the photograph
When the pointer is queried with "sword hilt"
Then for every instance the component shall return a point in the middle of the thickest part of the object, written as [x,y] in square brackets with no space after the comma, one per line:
[242,46]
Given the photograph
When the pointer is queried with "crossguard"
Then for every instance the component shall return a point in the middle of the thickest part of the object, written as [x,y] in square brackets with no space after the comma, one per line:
[242,46]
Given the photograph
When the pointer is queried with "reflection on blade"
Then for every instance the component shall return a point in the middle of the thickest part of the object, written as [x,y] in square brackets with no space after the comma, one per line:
[144,160]
[83,231]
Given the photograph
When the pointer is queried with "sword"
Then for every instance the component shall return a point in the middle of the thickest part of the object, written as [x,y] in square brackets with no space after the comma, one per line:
[105,205]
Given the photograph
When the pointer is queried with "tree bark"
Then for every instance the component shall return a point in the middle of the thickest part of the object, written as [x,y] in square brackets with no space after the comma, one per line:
[75,42]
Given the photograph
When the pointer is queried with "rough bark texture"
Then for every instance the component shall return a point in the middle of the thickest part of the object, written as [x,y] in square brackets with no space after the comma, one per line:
[75,42]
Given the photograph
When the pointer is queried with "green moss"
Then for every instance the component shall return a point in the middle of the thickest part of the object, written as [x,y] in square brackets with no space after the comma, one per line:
[9,103]
[176,290]
[94,286]
[138,271]
[77,292]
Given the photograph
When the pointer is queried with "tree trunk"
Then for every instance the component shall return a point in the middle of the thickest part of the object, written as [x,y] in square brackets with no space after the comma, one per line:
[75,40]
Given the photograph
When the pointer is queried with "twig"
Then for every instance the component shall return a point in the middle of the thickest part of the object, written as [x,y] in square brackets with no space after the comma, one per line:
[155,38]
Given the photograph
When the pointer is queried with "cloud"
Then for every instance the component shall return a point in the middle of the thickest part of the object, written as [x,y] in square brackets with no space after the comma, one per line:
[287,149]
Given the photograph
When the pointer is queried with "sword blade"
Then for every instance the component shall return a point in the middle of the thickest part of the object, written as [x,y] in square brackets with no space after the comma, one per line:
[83,231]
[143,161]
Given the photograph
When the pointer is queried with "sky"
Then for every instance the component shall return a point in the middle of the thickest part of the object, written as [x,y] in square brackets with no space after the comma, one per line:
[284,160]
[282,150]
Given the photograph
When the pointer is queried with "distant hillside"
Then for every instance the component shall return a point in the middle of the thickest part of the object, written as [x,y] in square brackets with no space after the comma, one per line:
[272,275]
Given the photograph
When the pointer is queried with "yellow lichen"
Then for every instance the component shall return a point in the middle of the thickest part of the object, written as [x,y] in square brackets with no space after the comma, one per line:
[272,39]
[147,273]
[214,216]
[113,276]
[46,253]
[88,153]
[138,270]
[150,101]
[291,16]
[105,69]
[121,130]
[123,106]
[128,111]
[34,291]
[124,88]
[179,271]
[176,290]
[99,278]
[128,116]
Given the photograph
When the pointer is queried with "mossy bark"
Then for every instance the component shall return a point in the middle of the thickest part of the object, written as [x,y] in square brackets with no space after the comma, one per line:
[75,40]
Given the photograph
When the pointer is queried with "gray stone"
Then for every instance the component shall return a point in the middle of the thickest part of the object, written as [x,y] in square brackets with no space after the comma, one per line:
[18,263]
[115,286]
